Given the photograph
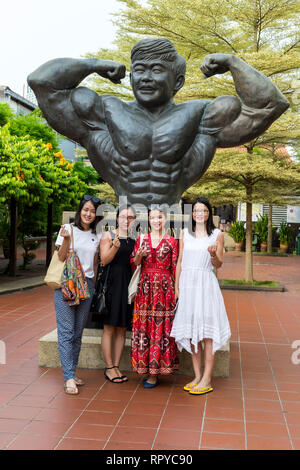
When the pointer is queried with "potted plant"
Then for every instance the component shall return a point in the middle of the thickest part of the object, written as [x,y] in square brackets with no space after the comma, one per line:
[285,232]
[238,233]
[261,228]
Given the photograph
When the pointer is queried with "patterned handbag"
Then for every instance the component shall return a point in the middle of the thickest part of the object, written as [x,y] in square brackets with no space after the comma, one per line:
[74,286]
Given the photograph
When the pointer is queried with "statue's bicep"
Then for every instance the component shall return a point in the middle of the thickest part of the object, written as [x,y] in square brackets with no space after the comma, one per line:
[220,113]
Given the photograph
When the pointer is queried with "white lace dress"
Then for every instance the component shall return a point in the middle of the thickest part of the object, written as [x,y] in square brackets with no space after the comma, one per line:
[201,311]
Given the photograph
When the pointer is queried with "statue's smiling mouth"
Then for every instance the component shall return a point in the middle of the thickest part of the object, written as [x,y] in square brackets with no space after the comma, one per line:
[147,89]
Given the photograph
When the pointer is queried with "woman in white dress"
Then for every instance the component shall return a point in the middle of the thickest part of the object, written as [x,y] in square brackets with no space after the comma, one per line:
[201,314]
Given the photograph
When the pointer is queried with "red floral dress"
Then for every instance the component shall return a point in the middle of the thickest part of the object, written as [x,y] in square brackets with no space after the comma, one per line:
[152,349]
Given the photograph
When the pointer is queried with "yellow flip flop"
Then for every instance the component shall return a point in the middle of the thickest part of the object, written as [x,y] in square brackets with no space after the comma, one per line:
[200,390]
[189,387]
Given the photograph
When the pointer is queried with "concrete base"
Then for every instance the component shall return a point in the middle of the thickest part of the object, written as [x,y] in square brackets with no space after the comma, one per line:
[91,354]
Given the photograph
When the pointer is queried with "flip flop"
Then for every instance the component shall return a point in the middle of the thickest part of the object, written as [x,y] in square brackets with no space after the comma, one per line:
[200,390]
[189,387]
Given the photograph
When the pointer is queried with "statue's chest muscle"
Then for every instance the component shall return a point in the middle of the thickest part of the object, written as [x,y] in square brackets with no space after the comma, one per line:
[137,136]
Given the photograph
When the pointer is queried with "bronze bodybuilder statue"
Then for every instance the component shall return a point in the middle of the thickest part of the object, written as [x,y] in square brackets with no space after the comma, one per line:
[152,149]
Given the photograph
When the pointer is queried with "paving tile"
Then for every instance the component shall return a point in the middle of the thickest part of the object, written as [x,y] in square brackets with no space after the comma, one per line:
[224,413]
[291,406]
[264,405]
[117,445]
[178,438]
[98,417]
[223,426]
[89,431]
[292,418]
[31,401]
[25,442]
[80,444]
[264,416]
[58,415]
[295,430]
[132,434]
[19,412]
[140,420]
[12,425]
[222,441]
[110,406]
[180,422]
[268,443]
[5,439]
[46,428]
[186,411]
[63,401]
[266,429]
[145,408]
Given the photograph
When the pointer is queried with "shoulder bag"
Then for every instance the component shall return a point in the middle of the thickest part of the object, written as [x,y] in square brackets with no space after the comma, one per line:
[98,306]
[133,284]
[55,269]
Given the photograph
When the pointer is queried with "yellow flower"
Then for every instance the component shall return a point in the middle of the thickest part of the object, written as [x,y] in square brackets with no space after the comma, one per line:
[58,155]
[49,146]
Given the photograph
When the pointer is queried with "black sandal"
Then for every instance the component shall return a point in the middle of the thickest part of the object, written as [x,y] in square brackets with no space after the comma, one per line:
[116,380]
[123,377]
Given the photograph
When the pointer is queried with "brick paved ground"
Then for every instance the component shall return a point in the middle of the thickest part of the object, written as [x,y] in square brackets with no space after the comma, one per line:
[258,407]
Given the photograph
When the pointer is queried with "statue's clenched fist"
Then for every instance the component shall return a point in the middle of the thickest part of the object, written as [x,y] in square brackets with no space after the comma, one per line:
[214,64]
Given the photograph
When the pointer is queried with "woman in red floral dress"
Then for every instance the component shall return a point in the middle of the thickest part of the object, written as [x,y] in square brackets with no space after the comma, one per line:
[153,351]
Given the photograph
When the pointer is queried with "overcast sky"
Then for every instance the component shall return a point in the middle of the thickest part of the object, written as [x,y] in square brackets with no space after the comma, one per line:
[34,31]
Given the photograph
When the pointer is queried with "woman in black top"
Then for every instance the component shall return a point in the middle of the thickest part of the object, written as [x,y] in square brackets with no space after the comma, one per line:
[115,249]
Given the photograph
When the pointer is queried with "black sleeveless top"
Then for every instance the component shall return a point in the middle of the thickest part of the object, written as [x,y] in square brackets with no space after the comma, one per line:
[120,312]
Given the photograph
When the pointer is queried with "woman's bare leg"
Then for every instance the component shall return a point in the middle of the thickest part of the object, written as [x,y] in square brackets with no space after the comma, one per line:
[107,345]
[196,361]
[118,347]
[208,364]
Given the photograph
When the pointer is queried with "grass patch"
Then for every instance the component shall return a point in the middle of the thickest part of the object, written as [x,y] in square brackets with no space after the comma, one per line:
[240,282]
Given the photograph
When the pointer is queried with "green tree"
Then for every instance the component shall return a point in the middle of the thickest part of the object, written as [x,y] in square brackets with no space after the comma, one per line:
[33,125]
[32,174]
[6,114]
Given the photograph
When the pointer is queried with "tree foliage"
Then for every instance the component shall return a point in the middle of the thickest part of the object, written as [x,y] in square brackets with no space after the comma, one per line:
[31,171]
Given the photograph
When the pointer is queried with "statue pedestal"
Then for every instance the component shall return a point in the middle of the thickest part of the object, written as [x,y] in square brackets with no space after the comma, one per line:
[91,354]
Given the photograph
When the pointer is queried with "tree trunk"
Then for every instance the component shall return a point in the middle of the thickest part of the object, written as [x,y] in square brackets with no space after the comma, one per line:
[249,259]
[49,234]
[12,270]
[269,248]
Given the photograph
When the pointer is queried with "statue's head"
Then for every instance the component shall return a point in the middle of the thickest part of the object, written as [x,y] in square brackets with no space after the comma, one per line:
[157,71]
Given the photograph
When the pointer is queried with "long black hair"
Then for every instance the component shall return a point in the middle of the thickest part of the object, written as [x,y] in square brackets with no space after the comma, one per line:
[77,218]
[210,226]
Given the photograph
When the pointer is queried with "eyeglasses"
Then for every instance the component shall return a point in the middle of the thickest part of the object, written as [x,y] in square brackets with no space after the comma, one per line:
[124,217]
[95,199]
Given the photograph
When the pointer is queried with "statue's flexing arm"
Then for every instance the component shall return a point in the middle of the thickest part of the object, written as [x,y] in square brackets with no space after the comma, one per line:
[64,105]
[259,104]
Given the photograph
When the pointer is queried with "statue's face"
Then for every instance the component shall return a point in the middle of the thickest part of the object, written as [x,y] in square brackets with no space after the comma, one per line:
[153,82]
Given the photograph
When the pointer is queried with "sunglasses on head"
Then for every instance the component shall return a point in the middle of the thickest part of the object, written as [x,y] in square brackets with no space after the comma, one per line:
[87,197]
